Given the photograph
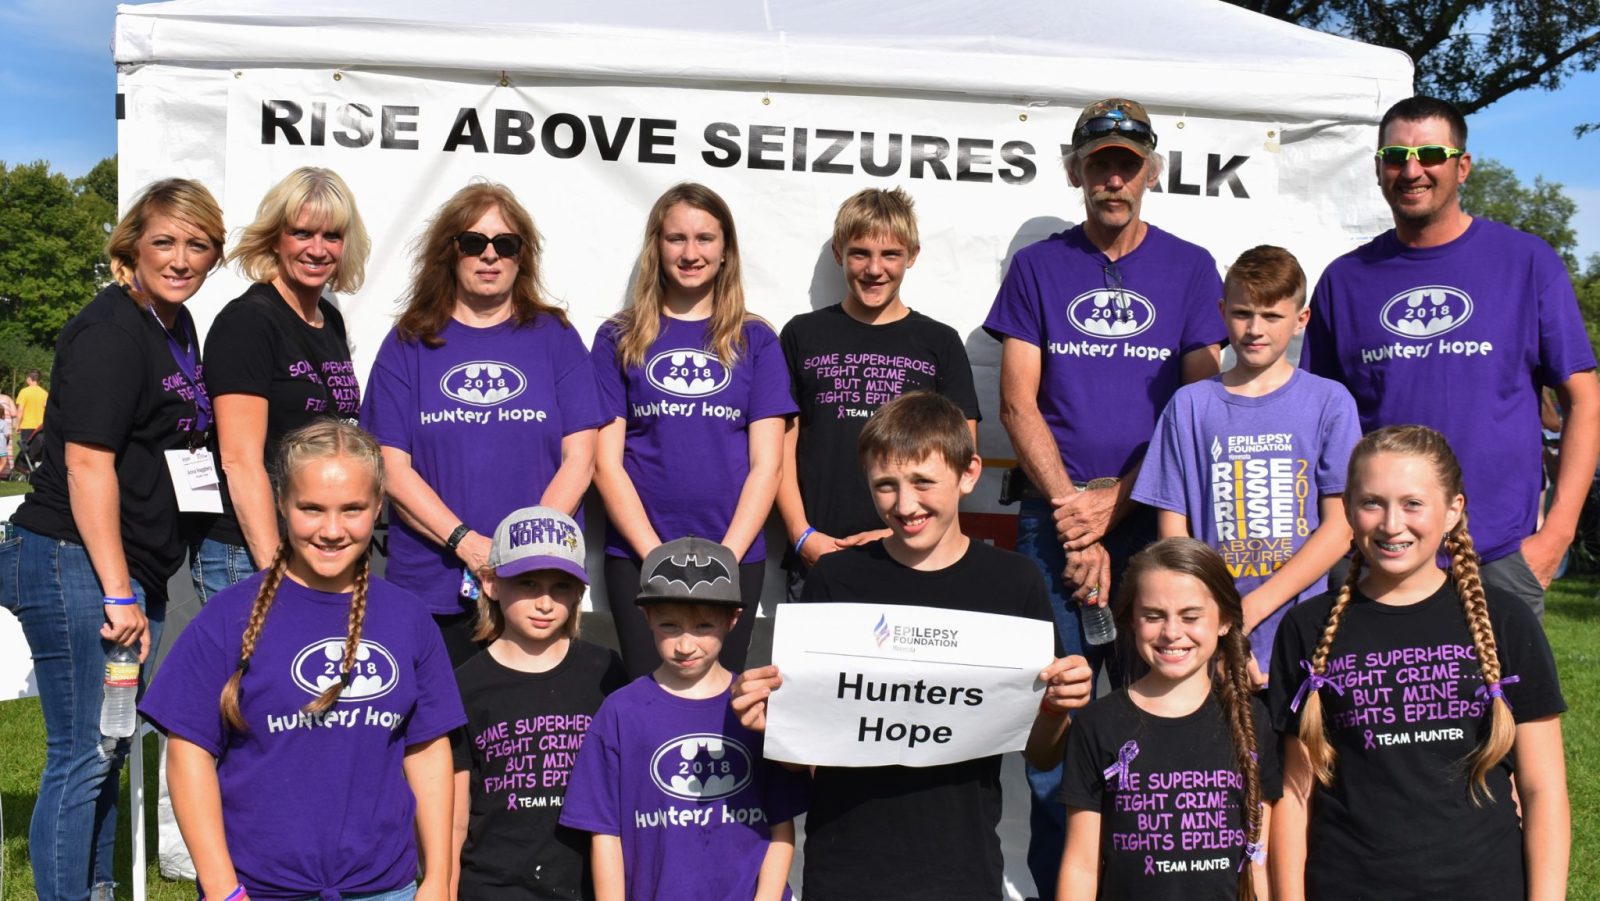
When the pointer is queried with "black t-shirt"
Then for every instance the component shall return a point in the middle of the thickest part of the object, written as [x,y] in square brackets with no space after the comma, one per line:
[115,384]
[258,345]
[1174,829]
[522,735]
[1398,822]
[841,371]
[921,833]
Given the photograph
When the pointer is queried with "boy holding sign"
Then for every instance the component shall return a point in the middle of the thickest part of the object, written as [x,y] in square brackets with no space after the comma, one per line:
[928,832]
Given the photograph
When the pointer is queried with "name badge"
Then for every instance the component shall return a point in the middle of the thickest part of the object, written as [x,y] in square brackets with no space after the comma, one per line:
[195,480]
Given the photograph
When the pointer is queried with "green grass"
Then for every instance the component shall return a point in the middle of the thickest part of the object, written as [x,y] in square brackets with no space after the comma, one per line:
[7,489]
[1572,622]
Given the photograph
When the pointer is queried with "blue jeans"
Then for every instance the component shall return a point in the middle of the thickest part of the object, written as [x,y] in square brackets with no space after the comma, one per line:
[1036,540]
[51,588]
[214,566]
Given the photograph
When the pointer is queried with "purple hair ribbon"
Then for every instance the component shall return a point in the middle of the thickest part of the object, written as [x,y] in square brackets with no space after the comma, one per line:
[1253,854]
[1130,750]
[1488,691]
[1312,683]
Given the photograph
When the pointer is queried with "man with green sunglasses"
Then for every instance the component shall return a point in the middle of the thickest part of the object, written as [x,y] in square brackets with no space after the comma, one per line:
[1457,322]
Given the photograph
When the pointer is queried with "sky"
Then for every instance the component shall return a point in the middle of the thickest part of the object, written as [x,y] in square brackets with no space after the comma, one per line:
[58,94]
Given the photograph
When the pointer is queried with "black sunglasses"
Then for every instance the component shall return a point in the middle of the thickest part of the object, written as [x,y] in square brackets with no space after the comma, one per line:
[1100,126]
[473,243]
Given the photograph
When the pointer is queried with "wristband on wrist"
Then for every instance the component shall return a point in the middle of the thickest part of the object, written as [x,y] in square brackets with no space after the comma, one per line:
[456,534]
[803,536]
[119,602]
[234,895]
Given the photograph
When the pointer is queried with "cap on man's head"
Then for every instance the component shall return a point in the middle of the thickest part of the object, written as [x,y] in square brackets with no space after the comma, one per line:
[692,571]
[538,538]
[1113,123]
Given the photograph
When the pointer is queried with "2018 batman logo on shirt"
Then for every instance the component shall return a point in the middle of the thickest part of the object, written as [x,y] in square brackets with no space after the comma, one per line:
[702,767]
[317,666]
[1111,313]
[686,372]
[1426,311]
[483,383]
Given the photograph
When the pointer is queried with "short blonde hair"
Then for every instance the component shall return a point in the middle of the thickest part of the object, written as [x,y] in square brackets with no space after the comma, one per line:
[323,195]
[181,198]
[871,212]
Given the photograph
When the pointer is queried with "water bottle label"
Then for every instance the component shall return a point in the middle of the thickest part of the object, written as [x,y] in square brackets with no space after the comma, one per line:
[122,675]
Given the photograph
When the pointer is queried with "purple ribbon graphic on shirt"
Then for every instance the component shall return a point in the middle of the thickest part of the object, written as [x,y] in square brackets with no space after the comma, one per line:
[1149,865]
[1368,737]
[1313,682]
[1488,691]
[1254,853]
[511,802]
[1130,750]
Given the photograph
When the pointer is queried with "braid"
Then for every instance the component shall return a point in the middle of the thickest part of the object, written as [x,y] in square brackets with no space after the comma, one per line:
[352,639]
[229,702]
[1235,688]
[1469,588]
[1313,731]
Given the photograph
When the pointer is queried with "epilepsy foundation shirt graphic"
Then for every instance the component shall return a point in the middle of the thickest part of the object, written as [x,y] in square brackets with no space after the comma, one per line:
[341,816]
[1406,706]
[687,418]
[1109,333]
[1458,337]
[685,787]
[1248,473]
[1169,794]
[482,418]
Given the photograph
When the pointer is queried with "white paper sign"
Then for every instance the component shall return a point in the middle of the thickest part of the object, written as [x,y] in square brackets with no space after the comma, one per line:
[880,685]
[195,480]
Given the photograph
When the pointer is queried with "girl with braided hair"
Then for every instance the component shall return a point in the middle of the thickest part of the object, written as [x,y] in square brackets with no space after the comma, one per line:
[1167,782]
[1418,711]
[308,707]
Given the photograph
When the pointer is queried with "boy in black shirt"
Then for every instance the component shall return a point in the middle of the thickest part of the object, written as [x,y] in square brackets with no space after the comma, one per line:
[929,832]
[847,360]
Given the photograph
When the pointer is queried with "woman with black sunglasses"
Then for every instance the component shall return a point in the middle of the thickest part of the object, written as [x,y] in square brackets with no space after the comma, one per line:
[483,399]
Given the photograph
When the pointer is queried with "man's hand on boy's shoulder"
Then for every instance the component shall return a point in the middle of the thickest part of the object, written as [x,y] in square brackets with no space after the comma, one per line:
[1068,683]
[750,693]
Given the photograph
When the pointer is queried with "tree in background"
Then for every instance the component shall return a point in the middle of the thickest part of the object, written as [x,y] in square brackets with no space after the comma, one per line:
[1469,52]
[52,256]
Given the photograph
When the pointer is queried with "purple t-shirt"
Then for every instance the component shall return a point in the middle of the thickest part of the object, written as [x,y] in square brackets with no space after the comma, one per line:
[1112,337]
[688,418]
[685,787]
[1459,338]
[312,804]
[1248,472]
[482,417]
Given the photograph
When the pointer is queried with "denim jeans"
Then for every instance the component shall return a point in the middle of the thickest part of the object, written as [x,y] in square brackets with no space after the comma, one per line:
[1036,540]
[53,591]
[214,566]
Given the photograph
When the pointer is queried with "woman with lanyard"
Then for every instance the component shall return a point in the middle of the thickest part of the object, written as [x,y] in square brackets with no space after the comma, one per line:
[277,359]
[483,399]
[97,540]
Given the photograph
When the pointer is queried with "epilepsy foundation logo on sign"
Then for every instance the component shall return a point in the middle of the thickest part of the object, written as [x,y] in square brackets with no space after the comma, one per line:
[687,373]
[374,673]
[702,767]
[1425,312]
[483,383]
[1111,313]
[880,632]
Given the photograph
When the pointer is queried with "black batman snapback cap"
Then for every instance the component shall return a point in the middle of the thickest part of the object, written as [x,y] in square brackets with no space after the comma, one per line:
[690,570]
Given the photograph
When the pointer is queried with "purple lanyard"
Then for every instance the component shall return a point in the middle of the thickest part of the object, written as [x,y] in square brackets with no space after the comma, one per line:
[188,360]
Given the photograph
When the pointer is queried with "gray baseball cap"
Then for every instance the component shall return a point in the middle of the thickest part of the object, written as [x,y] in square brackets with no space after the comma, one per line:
[538,538]
[692,570]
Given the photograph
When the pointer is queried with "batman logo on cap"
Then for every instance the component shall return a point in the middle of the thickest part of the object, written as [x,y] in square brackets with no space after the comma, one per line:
[691,573]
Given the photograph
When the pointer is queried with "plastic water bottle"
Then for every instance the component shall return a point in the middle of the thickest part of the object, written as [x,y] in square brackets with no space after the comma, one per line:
[118,714]
[1098,627]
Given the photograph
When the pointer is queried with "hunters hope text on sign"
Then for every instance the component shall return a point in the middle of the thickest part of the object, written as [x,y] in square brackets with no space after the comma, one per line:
[878,685]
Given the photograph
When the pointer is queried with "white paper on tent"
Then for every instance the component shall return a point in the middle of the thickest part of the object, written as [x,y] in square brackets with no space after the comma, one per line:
[881,685]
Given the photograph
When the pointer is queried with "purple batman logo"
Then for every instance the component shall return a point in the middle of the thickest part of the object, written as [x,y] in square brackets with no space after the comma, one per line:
[483,383]
[1425,312]
[687,373]
[702,767]
[1111,313]
[373,675]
